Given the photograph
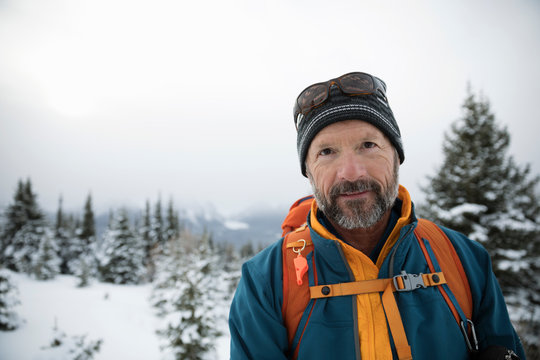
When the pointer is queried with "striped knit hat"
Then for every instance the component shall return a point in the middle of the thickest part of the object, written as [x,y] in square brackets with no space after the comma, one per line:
[339,107]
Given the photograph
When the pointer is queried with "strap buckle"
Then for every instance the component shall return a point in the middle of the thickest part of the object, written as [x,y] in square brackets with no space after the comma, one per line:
[410,281]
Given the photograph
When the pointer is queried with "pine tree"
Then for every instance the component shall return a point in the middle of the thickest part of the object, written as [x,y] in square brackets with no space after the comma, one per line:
[122,254]
[86,270]
[16,217]
[88,232]
[188,294]
[157,229]
[231,265]
[46,262]
[32,208]
[480,191]
[149,249]
[82,244]
[170,264]
[146,227]
[9,299]
[26,225]
[75,250]
[172,229]
[64,232]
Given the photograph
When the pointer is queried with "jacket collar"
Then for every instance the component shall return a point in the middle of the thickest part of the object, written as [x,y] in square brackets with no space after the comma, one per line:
[405,219]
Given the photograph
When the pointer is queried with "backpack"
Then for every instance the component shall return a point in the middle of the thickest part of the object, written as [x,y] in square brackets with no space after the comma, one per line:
[450,280]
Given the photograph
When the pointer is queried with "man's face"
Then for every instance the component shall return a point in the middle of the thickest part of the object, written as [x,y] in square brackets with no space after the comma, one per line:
[353,169]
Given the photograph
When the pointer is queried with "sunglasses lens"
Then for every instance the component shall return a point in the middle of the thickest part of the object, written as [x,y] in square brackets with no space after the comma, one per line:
[312,96]
[356,83]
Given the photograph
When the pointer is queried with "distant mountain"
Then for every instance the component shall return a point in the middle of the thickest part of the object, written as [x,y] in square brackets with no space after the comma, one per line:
[261,227]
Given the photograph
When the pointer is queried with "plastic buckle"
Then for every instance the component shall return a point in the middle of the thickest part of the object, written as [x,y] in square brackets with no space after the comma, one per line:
[474,346]
[410,281]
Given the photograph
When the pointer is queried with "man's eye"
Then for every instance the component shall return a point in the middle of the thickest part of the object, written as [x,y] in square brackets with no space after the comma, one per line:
[325,152]
[369,145]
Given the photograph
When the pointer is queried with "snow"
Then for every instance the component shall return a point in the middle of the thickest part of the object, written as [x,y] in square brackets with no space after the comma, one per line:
[456,213]
[512,253]
[120,315]
[490,195]
[515,266]
[467,209]
[236,225]
[518,225]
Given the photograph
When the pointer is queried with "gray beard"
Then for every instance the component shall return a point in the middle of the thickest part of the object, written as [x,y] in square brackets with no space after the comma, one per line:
[359,214]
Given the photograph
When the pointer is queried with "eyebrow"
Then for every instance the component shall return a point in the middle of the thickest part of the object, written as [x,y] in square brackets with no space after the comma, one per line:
[368,137]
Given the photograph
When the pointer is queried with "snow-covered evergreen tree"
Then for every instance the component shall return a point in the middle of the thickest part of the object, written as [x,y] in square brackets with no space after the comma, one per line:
[157,232]
[75,251]
[480,191]
[86,269]
[231,265]
[16,217]
[172,229]
[145,231]
[81,246]
[169,268]
[188,293]
[9,300]
[46,262]
[20,252]
[88,229]
[25,223]
[146,227]
[63,233]
[121,259]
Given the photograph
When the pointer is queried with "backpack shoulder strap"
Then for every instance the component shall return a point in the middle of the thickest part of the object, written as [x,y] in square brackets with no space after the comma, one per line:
[449,263]
[297,214]
[295,297]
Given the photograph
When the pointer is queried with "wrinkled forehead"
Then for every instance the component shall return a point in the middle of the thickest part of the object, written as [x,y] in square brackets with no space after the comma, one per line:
[349,128]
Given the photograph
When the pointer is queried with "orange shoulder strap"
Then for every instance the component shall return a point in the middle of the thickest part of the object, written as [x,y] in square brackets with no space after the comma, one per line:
[449,263]
[295,297]
[297,214]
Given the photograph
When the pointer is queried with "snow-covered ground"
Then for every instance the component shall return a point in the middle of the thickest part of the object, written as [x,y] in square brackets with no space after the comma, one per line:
[120,315]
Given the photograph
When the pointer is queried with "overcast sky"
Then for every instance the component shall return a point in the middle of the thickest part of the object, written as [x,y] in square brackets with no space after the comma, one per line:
[131,99]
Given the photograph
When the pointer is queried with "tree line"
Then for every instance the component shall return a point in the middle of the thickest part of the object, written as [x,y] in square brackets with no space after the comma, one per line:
[192,278]
[123,255]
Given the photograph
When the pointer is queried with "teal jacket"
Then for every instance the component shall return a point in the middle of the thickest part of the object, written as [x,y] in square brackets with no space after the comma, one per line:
[258,331]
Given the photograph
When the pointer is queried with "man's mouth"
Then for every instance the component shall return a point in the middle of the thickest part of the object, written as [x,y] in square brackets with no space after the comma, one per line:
[349,195]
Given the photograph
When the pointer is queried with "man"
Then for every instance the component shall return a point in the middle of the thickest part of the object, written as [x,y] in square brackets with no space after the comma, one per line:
[362,227]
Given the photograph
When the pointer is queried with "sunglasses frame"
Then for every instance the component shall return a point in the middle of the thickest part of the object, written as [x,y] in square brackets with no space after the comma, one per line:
[378,88]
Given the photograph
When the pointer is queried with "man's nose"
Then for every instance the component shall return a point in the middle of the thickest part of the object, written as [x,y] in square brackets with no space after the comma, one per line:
[351,167]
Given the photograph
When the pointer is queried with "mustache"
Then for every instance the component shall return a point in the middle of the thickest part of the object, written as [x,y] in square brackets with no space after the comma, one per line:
[360,185]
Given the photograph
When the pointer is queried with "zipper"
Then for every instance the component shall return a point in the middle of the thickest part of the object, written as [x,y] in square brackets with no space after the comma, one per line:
[393,254]
[354,302]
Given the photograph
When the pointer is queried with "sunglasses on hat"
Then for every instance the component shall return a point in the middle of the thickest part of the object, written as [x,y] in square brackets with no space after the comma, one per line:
[351,84]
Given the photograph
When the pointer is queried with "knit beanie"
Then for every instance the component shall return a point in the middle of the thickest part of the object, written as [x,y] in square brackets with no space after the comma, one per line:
[340,107]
